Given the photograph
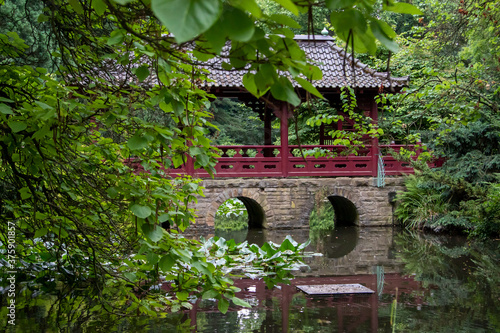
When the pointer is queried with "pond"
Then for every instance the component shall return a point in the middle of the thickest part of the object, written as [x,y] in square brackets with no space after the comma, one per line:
[420,283]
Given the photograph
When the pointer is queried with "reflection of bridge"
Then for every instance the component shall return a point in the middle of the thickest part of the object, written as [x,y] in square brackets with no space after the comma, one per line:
[349,313]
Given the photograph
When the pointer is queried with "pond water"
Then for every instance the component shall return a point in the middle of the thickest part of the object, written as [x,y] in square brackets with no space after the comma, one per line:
[421,283]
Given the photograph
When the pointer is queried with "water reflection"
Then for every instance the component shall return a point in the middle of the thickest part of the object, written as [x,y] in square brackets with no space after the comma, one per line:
[441,284]
[336,243]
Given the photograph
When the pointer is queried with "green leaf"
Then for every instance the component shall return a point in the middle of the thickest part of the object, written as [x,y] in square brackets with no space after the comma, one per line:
[249,84]
[142,72]
[163,217]
[130,276]
[379,29]
[5,109]
[286,245]
[152,258]
[202,159]
[223,305]
[41,232]
[285,20]
[309,87]
[166,263]
[351,19]
[116,37]
[40,216]
[216,36]
[237,24]
[42,18]
[186,19]
[248,5]
[403,8]
[123,2]
[182,295]
[141,211]
[76,6]
[112,192]
[288,4]
[240,302]
[153,232]
[339,4]
[137,142]
[17,126]
[211,293]
[25,193]
[99,6]
[283,91]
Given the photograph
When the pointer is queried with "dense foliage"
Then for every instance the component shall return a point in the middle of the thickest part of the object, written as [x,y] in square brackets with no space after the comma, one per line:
[236,124]
[453,58]
[232,215]
[73,133]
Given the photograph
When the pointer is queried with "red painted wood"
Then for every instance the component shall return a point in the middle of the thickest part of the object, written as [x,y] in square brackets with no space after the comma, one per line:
[250,161]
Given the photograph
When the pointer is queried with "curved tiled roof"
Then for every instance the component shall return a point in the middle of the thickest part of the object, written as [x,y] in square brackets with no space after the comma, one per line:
[323,52]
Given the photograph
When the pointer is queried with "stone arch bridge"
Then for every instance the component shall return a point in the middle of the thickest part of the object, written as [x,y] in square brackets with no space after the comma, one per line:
[284,203]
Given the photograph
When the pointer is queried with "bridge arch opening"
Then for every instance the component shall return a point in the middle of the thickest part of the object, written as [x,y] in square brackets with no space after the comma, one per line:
[346,213]
[239,213]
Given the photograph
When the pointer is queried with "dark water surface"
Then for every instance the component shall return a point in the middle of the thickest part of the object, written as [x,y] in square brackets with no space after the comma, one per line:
[421,283]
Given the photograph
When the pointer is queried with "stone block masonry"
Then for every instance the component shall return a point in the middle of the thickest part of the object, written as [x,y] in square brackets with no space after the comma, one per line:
[284,203]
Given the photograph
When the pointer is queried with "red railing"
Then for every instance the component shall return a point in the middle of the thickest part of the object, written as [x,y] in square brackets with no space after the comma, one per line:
[267,161]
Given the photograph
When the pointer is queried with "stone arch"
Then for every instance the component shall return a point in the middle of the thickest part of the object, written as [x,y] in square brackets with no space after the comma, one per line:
[259,211]
[256,214]
[344,205]
[346,213]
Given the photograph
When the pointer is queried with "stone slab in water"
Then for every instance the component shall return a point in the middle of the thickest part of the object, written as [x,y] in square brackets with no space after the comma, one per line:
[335,289]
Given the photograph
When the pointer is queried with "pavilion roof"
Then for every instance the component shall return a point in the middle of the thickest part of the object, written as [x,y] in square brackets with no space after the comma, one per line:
[337,68]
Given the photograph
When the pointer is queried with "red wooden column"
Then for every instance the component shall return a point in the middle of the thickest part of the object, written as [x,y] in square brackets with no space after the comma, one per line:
[375,148]
[268,138]
[283,114]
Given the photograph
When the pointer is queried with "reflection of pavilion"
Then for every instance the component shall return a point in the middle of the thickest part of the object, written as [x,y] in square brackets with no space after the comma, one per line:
[284,160]
[346,313]
[371,248]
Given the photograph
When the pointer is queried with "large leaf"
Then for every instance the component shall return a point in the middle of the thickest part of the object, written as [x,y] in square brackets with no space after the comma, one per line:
[5,109]
[140,211]
[142,72]
[339,4]
[166,263]
[309,87]
[240,302]
[380,29]
[285,20]
[288,4]
[351,19]
[153,232]
[186,19]
[237,24]
[17,126]
[223,305]
[137,142]
[403,8]
[283,91]
[99,6]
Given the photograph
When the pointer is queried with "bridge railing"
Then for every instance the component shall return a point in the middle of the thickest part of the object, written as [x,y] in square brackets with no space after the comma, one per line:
[268,161]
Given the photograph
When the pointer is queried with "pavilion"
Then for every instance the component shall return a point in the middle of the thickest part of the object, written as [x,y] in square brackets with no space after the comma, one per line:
[268,160]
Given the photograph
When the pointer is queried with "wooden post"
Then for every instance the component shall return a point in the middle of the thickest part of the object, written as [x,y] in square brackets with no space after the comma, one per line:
[268,138]
[283,115]
[189,165]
